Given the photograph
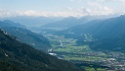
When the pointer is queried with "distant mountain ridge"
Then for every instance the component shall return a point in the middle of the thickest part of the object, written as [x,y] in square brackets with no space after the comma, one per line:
[69,22]
[26,36]
[63,24]
[30,21]
[8,23]
[107,34]
[102,27]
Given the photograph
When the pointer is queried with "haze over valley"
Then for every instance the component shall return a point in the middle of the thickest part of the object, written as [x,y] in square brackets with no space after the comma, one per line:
[67,35]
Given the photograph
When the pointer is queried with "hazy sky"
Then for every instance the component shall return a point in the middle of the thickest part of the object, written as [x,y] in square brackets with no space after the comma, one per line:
[63,8]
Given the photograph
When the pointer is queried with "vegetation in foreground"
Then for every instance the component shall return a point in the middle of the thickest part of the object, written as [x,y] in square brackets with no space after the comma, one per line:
[16,56]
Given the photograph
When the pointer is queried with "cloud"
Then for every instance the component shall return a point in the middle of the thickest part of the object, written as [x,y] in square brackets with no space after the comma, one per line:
[7,13]
[48,14]
[69,8]
[97,9]
[102,10]
[105,10]
[85,11]
[73,8]
[93,4]
[110,0]
[4,13]
[76,1]
[75,13]
[71,0]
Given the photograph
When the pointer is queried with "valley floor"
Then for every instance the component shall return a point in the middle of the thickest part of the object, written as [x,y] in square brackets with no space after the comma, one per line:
[83,56]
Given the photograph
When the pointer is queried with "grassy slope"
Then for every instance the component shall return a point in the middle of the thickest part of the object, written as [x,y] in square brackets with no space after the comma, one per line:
[16,56]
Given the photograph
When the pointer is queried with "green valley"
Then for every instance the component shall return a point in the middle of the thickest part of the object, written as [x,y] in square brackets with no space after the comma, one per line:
[67,49]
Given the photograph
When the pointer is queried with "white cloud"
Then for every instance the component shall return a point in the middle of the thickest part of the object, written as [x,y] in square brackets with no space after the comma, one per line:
[75,13]
[69,8]
[93,4]
[101,11]
[4,13]
[71,0]
[98,9]
[73,8]
[77,1]
[85,11]
[48,14]
[110,0]
[7,13]
[94,8]
[105,10]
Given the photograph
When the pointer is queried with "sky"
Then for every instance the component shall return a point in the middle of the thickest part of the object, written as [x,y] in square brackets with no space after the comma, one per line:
[60,8]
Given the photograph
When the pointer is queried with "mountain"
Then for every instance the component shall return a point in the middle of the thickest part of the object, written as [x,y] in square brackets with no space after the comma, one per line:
[35,40]
[62,24]
[8,23]
[103,34]
[72,22]
[17,56]
[26,36]
[30,21]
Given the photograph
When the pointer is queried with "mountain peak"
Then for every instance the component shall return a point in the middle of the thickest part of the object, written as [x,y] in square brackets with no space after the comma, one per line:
[7,21]
[122,16]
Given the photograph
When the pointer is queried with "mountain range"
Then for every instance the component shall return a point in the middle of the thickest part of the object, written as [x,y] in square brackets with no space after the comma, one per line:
[105,34]
[26,36]
[17,56]
[30,21]
[71,22]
